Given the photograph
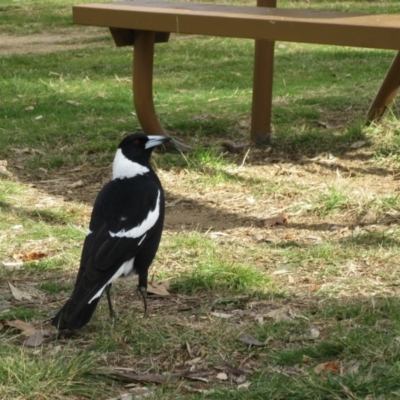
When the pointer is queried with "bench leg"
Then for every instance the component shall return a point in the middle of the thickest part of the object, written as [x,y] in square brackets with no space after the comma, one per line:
[143,82]
[387,92]
[262,85]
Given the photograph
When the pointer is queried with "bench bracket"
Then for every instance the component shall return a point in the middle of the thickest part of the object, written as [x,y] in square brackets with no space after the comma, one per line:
[126,37]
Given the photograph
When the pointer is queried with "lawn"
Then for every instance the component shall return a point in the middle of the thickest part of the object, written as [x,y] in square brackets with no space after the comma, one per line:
[279,264]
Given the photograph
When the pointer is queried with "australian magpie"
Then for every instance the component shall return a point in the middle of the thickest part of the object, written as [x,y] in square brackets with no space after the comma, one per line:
[124,232]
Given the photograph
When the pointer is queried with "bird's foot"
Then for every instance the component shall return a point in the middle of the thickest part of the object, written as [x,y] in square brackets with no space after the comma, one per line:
[142,292]
[113,316]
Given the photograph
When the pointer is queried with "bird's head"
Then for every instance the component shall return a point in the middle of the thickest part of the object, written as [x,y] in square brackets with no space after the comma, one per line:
[133,154]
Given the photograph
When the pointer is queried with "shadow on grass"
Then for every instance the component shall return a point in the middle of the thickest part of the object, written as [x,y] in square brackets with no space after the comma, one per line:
[192,214]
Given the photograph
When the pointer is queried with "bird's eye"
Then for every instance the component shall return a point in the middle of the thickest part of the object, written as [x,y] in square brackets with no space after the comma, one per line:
[136,142]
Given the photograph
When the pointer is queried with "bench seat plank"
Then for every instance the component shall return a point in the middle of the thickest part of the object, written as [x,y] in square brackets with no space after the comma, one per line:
[293,25]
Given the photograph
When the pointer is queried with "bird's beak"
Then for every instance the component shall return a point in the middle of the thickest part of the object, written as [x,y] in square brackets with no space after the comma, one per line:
[156,141]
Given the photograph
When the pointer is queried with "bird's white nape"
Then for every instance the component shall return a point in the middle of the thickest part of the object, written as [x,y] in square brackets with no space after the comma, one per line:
[125,168]
[124,270]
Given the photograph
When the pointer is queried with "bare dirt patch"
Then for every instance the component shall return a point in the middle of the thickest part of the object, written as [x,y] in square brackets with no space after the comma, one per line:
[48,42]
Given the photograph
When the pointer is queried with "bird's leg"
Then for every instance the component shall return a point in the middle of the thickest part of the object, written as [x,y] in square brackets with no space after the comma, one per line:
[142,292]
[110,307]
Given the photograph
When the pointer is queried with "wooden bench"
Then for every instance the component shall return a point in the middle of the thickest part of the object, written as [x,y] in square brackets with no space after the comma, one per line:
[142,23]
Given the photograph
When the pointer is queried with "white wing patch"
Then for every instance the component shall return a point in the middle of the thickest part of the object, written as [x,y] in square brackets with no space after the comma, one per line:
[125,168]
[124,270]
[143,227]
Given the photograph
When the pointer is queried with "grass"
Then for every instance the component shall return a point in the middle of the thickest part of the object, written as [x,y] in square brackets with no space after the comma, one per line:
[47,376]
[322,288]
[214,274]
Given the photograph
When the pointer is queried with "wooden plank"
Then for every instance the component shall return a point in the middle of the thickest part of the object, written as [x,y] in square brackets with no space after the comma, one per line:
[307,26]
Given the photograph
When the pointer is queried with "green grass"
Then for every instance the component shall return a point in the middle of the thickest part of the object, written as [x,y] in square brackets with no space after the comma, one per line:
[332,268]
[21,313]
[44,376]
[214,274]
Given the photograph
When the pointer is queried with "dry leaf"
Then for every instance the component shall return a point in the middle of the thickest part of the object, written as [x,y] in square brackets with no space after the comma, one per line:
[74,103]
[278,220]
[13,264]
[222,376]
[56,350]
[3,168]
[241,379]
[222,315]
[125,396]
[244,385]
[150,378]
[173,202]
[25,327]
[123,79]
[194,361]
[197,378]
[280,315]
[250,200]
[314,333]
[36,339]
[250,340]
[235,371]
[323,124]
[76,184]
[329,366]
[314,288]
[260,320]
[19,294]
[353,367]
[217,235]
[30,256]
[294,315]
[158,288]
[358,144]
[280,272]
[289,235]
[24,150]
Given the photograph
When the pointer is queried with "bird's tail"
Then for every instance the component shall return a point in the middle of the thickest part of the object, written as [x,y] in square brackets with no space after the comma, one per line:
[71,318]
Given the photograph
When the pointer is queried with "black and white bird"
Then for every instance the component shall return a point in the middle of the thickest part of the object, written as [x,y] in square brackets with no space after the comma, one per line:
[124,232]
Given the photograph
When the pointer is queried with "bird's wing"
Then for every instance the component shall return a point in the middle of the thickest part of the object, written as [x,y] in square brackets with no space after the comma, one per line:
[119,227]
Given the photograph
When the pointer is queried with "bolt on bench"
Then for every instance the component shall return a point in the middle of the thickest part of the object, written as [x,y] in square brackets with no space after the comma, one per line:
[142,23]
